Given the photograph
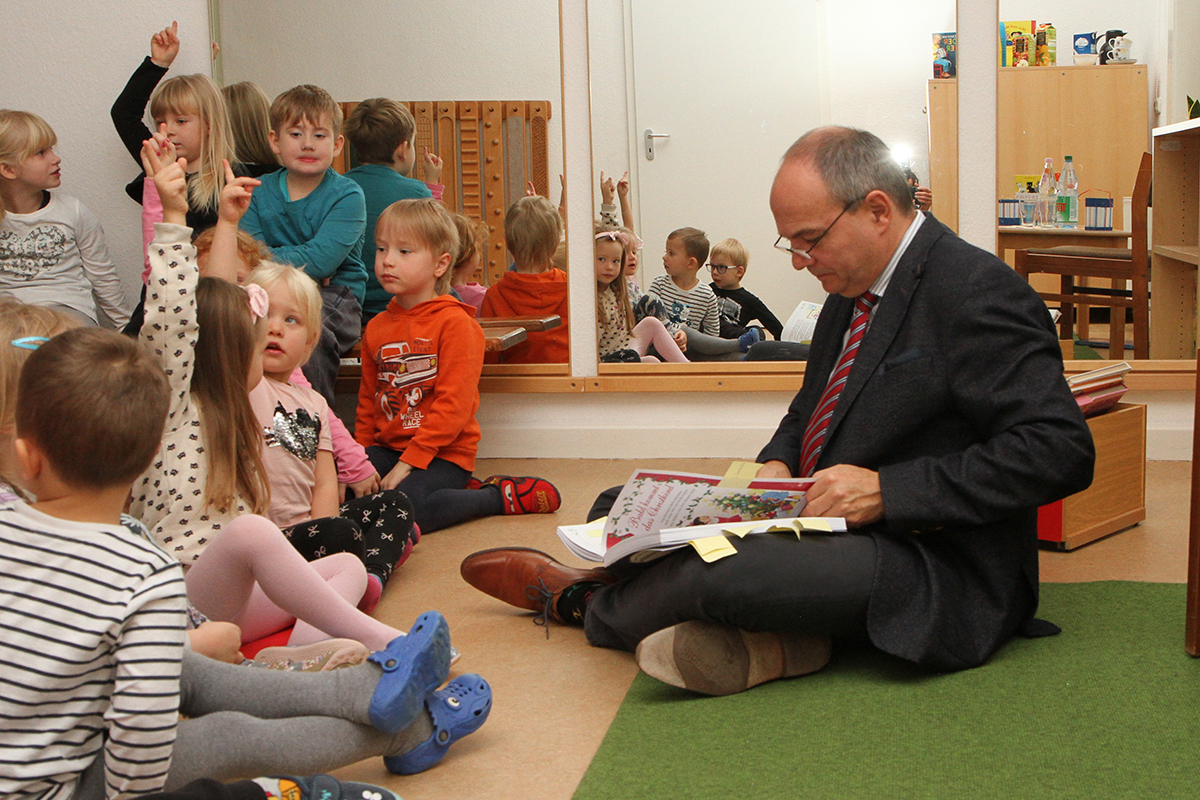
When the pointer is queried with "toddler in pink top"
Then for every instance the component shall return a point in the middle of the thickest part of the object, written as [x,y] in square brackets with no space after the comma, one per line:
[298,447]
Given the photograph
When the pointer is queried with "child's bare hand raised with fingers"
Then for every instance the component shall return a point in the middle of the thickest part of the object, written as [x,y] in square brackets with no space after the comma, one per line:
[433,166]
[235,197]
[170,179]
[164,46]
[607,186]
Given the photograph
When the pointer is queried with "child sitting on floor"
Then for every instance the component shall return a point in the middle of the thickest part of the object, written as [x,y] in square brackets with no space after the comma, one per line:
[533,288]
[52,249]
[737,306]
[298,455]
[690,305]
[421,362]
[315,219]
[619,339]
[381,132]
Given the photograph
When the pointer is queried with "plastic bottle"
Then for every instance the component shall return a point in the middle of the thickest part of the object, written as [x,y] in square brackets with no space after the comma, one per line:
[1047,196]
[1068,197]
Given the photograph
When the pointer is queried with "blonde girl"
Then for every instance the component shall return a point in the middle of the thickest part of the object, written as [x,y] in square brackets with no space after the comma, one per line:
[300,453]
[618,337]
[250,121]
[52,249]
[187,110]
[203,493]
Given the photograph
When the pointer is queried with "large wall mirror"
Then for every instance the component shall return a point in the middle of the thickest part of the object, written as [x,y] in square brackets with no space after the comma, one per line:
[450,54]
[731,86]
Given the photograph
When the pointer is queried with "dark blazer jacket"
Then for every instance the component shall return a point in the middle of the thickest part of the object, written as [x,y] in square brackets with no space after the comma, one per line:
[957,399]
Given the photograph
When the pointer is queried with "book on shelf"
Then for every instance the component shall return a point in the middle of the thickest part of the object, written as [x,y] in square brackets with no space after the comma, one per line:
[659,511]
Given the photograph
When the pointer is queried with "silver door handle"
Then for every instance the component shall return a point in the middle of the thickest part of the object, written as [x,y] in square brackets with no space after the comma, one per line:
[650,136]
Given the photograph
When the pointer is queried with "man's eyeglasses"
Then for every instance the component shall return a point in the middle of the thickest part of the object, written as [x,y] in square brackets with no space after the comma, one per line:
[720,269]
[805,253]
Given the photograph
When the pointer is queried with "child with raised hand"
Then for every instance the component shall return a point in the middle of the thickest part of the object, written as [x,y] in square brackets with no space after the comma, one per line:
[421,362]
[52,248]
[99,600]
[617,334]
[737,305]
[198,495]
[189,112]
[472,238]
[299,458]
[313,218]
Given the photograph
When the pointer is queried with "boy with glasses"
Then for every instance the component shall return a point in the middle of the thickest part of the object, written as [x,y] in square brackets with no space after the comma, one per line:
[738,307]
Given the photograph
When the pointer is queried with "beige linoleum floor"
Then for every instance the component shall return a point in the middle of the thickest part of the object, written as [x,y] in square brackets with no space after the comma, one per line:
[555,698]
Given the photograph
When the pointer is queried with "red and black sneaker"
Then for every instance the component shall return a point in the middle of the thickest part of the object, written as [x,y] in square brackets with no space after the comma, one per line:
[526,494]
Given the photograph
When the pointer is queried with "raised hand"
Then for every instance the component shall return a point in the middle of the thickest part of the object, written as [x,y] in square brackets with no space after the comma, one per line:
[530,191]
[235,197]
[164,45]
[170,179]
[433,166]
[623,185]
[607,186]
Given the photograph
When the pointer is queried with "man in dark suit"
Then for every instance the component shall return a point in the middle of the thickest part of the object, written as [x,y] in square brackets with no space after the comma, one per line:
[934,418]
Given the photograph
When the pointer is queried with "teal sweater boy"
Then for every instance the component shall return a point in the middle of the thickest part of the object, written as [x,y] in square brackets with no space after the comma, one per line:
[321,233]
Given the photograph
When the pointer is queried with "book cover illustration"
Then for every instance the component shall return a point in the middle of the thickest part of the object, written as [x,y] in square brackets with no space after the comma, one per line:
[945,54]
[652,501]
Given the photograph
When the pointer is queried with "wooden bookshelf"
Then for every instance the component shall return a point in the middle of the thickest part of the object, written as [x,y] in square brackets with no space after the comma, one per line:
[1175,251]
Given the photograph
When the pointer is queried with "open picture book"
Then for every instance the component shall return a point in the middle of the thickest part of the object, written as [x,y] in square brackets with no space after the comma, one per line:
[659,511]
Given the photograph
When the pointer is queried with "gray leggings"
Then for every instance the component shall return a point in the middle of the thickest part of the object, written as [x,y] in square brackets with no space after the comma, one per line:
[233,730]
[702,347]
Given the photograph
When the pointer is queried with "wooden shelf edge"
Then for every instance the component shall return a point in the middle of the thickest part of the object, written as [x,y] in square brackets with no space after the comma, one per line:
[1163,375]
[1189,254]
[1106,528]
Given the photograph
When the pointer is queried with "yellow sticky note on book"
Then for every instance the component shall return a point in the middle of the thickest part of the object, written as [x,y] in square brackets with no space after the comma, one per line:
[740,529]
[815,525]
[739,475]
[713,548]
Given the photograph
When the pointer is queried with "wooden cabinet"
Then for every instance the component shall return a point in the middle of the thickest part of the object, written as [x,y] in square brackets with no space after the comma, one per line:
[1116,500]
[1096,114]
[1175,247]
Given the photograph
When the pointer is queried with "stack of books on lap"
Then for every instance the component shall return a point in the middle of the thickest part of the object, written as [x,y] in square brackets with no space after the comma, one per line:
[1099,389]
[661,511]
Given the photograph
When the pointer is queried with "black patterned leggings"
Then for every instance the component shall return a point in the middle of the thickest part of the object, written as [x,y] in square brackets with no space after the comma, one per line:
[377,528]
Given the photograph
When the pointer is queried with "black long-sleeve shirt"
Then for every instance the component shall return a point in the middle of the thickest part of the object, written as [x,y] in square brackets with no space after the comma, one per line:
[749,309]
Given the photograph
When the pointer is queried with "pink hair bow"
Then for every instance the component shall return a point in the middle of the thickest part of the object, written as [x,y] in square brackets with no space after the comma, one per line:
[259,301]
[615,236]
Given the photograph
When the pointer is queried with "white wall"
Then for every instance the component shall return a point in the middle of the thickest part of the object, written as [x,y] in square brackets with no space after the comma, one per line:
[67,61]
[1184,38]
[450,49]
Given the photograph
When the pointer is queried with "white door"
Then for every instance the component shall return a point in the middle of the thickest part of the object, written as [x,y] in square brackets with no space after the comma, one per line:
[733,84]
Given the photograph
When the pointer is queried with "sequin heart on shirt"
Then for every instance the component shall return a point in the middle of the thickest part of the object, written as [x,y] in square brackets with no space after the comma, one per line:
[297,431]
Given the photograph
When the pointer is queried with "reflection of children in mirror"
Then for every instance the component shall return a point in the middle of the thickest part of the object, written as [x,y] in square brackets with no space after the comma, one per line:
[618,337]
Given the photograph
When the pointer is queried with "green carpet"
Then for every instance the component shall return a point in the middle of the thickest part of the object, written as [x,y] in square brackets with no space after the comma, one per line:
[1109,708]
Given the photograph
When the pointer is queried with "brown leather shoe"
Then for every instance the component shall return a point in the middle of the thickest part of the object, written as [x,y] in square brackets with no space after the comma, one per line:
[526,578]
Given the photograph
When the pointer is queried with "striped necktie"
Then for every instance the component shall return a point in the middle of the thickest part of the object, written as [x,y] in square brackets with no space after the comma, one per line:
[814,435]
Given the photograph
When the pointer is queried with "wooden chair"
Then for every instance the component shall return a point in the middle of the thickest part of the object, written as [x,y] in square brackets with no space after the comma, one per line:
[1120,267]
[1192,626]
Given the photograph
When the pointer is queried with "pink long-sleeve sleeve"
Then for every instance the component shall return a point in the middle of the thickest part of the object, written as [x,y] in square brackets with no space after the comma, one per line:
[152,212]
[351,457]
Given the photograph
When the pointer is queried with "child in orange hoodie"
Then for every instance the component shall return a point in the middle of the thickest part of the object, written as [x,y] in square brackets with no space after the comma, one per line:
[534,288]
[421,361]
